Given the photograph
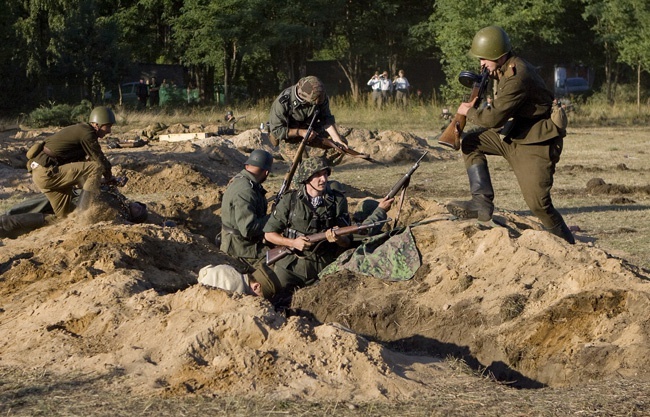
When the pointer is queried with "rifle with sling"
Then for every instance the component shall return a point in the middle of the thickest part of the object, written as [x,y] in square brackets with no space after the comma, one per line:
[478,84]
[406,179]
[286,183]
[402,184]
[277,253]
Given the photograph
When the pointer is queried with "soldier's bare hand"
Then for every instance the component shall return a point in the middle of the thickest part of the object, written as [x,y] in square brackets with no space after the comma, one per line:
[330,235]
[301,243]
[386,203]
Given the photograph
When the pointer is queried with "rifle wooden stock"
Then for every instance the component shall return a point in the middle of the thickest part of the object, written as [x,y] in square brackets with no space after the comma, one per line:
[335,145]
[275,254]
[449,137]
[286,183]
[404,181]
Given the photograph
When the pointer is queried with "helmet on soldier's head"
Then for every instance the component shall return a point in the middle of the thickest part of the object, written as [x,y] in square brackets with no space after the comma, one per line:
[102,115]
[261,159]
[309,167]
[311,90]
[490,43]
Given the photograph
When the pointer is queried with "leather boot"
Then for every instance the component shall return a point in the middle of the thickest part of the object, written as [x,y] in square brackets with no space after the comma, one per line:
[86,199]
[562,230]
[480,206]
[14,225]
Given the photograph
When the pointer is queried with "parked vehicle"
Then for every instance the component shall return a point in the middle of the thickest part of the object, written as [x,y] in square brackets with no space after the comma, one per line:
[576,86]
[129,97]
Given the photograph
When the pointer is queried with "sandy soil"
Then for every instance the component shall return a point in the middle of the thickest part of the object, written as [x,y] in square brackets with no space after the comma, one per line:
[95,296]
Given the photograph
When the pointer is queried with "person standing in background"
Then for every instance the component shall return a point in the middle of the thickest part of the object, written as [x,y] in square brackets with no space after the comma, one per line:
[375,85]
[402,88]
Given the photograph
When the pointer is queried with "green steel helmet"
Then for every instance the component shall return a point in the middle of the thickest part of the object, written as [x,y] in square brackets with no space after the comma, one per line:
[102,116]
[491,43]
[311,90]
[309,167]
[261,159]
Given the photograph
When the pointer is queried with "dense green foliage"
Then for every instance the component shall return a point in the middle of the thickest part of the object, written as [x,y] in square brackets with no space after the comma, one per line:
[69,50]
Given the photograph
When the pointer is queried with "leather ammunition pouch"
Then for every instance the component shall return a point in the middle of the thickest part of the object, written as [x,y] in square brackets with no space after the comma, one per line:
[36,149]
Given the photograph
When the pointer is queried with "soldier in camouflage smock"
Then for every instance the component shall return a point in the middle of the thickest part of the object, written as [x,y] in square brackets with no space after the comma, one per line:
[291,114]
[313,207]
[243,209]
[517,125]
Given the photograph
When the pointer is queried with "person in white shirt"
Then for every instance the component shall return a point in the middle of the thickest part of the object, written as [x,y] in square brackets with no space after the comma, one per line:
[402,88]
[375,84]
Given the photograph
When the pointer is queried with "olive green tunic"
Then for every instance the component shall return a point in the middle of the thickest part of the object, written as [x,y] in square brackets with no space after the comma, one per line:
[73,158]
[518,127]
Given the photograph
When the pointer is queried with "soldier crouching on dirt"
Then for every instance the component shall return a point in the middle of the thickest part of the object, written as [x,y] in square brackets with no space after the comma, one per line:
[72,157]
[313,207]
[243,209]
[291,114]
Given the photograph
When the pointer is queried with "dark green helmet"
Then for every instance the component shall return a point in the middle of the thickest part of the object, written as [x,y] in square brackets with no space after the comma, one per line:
[491,43]
[102,116]
[311,90]
[261,159]
[309,167]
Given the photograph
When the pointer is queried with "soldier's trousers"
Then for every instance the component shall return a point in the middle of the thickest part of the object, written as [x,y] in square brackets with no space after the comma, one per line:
[58,182]
[533,165]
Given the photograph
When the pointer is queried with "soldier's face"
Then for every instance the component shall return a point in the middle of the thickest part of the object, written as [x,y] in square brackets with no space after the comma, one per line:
[104,130]
[493,66]
[318,181]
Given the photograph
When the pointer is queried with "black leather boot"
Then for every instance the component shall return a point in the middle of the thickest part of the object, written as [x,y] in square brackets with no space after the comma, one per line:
[562,230]
[481,205]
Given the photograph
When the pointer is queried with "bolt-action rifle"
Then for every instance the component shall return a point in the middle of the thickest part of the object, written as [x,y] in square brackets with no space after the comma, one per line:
[402,184]
[478,83]
[406,179]
[277,253]
[286,183]
[335,145]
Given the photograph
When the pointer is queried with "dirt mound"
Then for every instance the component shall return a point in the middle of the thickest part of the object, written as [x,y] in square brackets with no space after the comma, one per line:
[523,303]
[93,295]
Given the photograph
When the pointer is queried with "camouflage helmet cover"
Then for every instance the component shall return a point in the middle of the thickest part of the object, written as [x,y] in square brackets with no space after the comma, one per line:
[261,159]
[490,43]
[309,167]
[311,90]
[102,115]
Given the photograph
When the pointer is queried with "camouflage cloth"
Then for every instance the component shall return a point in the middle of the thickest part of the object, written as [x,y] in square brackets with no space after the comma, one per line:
[391,256]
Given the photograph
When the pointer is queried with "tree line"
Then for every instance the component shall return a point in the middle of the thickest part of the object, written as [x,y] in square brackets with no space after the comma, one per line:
[264,45]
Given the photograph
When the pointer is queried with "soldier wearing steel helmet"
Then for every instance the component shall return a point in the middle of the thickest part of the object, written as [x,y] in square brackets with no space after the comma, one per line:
[71,158]
[312,207]
[518,126]
[291,114]
[243,209]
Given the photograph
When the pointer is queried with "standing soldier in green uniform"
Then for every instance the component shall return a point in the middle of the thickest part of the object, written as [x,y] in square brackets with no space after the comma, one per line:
[313,207]
[291,114]
[243,209]
[72,157]
[518,126]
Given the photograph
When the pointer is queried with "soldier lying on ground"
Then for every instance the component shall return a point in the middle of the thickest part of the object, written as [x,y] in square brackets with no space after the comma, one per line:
[37,212]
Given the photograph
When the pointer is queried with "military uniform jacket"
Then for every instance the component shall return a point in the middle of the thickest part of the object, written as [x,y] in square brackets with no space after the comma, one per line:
[243,216]
[522,105]
[75,143]
[289,112]
[294,212]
